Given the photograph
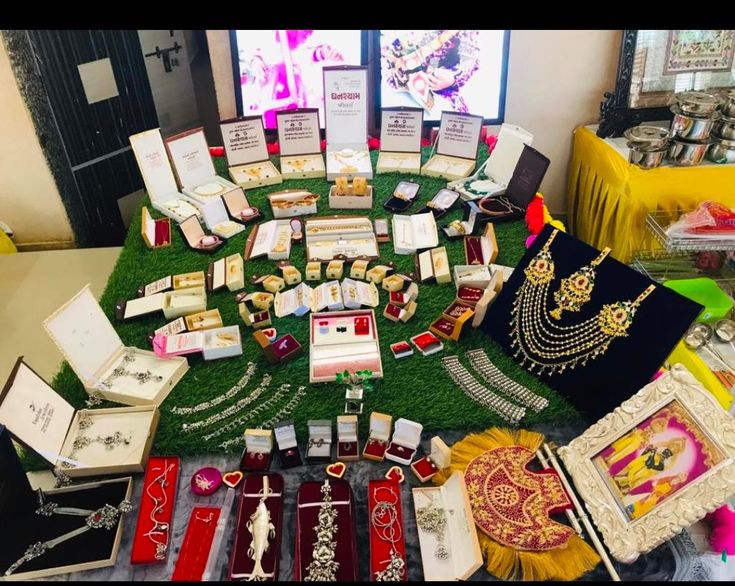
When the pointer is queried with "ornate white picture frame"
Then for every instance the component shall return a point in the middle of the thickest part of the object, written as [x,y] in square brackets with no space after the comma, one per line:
[659,462]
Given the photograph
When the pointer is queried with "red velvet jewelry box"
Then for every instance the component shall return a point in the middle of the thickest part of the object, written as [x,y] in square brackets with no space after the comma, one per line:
[348,445]
[156,233]
[288,448]
[258,452]
[452,321]
[308,504]
[439,458]
[483,249]
[405,441]
[250,494]
[197,544]
[380,426]
[281,350]
[388,492]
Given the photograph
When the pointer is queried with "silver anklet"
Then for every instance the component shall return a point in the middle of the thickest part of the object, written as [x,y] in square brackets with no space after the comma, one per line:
[240,385]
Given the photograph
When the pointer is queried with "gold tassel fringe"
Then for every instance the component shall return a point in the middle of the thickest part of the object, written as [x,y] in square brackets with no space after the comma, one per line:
[567,563]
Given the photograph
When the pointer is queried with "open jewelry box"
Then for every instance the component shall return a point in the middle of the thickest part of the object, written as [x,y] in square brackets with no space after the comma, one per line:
[105,366]
[194,168]
[346,106]
[96,548]
[441,203]
[293,202]
[403,196]
[176,303]
[204,320]
[213,343]
[226,272]
[495,173]
[471,214]
[158,178]
[433,265]
[197,239]
[319,448]
[252,316]
[251,494]
[412,233]
[218,221]
[302,299]
[343,340]
[81,443]
[358,293]
[182,281]
[400,140]
[455,153]
[396,313]
[280,350]
[271,238]
[288,447]
[348,445]
[258,451]
[473,275]
[481,250]
[439,458]
[459,537]
[452,321]
[299,143]
[378,436]
[155,233]
[239,207]
[386,530]
[405,441]
[247,153]
[357,195]
[345,237]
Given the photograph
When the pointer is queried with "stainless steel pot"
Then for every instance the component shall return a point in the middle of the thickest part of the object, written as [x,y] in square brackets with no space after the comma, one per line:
[697,103]
[722,151]
[646,158]
[691,127]
[647,137]
[687,154]
[728,106]
[724,127]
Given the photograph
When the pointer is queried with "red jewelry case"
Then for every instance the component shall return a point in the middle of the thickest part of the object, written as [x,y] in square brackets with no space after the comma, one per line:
[383,523]
[192,560]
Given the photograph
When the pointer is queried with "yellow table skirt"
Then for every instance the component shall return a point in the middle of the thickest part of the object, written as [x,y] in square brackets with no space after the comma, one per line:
[608,198]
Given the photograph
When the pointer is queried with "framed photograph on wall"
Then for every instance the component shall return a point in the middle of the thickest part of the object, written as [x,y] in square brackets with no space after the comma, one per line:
[659,462]
[656,64]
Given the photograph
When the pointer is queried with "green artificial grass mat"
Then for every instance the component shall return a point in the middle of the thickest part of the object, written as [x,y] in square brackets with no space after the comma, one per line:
[415,388]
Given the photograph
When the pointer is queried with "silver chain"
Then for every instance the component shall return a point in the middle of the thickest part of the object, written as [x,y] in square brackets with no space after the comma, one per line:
[240,385]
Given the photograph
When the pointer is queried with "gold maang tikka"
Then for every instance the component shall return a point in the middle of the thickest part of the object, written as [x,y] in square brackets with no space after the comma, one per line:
[575,290]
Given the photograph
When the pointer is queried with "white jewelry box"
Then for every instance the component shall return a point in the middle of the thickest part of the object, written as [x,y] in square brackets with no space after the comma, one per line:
[320,440]
[299,143]
[247,152]
[302,299]
[400,140]
[194,168]
[180,302]
[155,233]
[350,201]
[411,233]
[346,105]
[494,174]
[218,220]
[433,265]
[118,440]
[94,351]
[460,535]
[378,436]
[455,153]
[473,275]
[405,441]
[343,237]
[348,447]
[293,202]
[221,343]
[259,441]
[204,320]
[226,272]
[158,177]
[271,238]
[359,293]
[197,239]
[288,447]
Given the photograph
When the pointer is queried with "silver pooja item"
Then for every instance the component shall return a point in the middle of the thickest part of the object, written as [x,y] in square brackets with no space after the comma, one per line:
[323,567]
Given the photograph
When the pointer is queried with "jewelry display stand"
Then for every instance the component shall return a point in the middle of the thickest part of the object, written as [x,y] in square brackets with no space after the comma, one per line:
[198,539]
[378,436]
[345,237]
[405,441]
[258,452]
[412,233]
[155,233]
[300,147]
[158,177]
[348,445]
[400,140]
[387,532]
[105,366]
[455,152]
[247,152]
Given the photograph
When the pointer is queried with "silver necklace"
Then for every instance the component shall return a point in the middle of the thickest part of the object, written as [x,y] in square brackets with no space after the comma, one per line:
[82,441]
[241,384]
[323,567]
[387,526]
[159,528]
[432,519]
[141,377]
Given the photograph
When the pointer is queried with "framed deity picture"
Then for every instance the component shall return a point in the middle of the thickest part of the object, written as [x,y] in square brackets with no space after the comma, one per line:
[659,462]
[656,64]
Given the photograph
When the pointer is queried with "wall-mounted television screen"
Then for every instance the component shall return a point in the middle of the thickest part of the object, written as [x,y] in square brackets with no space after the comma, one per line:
[458,70]
[282,69]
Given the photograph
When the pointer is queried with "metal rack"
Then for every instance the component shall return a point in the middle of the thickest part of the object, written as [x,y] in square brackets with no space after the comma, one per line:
[657,223]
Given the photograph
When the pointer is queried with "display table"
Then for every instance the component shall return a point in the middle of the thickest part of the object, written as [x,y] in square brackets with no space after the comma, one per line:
[608,198]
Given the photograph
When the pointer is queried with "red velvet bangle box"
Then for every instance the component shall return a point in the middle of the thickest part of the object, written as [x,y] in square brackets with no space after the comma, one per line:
[156,233]
[405,441]
[258,452]
[348,446]
[288,448]
[160,485]
[380,427]
[481,250]
[198,539]
[439,458]
[251,493]
[452,321]
[385,492]
[308,502]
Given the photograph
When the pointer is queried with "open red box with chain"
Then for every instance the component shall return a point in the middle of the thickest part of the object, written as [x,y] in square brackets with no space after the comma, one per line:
[387,532]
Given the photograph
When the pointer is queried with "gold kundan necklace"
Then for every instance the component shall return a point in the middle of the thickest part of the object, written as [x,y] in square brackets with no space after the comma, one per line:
[539,338]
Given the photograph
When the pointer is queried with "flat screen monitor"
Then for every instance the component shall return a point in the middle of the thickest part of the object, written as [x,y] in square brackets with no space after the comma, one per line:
[282,69]
[456,70]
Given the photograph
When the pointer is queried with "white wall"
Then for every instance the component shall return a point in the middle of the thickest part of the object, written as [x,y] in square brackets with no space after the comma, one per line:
[29,199]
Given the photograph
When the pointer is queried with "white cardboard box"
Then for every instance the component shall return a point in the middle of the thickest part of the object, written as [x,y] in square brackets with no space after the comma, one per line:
[412,233]
[400,140]
[473,275]
[293,202]
[359,293]
[247,152]
[320,439]
[271,238]
[218,220]
[299,143]
[455,154]
[344,237]
[302,299]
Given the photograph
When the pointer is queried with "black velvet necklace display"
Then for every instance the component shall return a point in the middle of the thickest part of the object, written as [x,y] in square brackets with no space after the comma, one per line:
[629,361]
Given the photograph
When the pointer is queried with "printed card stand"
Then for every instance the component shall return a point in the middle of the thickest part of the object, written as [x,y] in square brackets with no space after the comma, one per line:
[189,154]
[357,195]
[403,196]
[247,152]
[197,239]
[300,145]
[346,105]
[433,266]
[438,459]
[258,452]
[481,250]
[452,321]
[217,220]
[455,153]
[427,343]
[382,494]
[158,177]
[495,173]
[288,449]
[400,140]
[348,445]
[467,225]
[96,354]
[156,509]
[279,351]
[293,202]
[271,239]
[378,436]
[478,276]
[405,441]
[155,233]
[18,503]
[413,233]
[465,556]
[40,419]
[319,448]
[441,203]
[239,208]
[252,493]
[340,237]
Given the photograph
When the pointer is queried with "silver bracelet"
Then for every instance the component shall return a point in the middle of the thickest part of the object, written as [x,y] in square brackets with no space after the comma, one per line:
[490,373]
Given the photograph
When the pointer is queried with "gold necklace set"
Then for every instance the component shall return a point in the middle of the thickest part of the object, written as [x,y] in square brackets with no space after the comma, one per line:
[550,347]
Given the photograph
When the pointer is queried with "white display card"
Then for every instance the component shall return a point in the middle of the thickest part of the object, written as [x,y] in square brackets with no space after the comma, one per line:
[346,105]
[298,132]
[244,140]
[459,135]
[190,155]
[400,130]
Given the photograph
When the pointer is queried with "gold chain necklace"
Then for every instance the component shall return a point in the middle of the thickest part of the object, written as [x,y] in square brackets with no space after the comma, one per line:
[549,346]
